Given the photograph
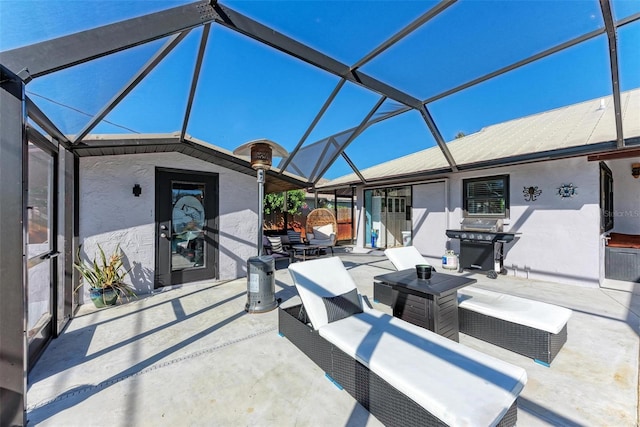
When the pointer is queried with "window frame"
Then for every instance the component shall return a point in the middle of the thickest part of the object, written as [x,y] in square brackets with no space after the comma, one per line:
[465,199]
[606,198]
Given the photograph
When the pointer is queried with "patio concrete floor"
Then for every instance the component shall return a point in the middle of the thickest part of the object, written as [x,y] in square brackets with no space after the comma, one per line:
[193,356]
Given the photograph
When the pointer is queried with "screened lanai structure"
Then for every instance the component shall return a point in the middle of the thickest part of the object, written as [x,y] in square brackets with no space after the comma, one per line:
[105,104]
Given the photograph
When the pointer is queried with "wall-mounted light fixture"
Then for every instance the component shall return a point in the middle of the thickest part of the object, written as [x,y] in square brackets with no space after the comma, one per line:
[635,170]
[137,190]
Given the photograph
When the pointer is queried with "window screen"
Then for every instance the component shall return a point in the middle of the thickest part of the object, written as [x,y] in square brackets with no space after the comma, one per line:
[486,196]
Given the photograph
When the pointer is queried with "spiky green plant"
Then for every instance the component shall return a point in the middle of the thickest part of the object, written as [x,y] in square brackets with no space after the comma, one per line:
[105,273]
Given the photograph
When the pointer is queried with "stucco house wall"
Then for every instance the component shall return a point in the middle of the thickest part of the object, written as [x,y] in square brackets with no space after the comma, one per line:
[559,238]
[110,214]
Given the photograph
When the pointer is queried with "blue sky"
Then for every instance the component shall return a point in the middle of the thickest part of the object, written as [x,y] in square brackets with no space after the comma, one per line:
[250,91]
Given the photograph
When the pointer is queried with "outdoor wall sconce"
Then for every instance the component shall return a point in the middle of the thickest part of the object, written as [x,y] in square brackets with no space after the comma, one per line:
[635,170]
[137,190]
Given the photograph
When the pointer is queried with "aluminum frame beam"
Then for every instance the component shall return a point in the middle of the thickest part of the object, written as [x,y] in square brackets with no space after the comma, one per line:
[612,38]
[515,65]
[257,31]
[41,119]
[431,124]
[57,54]
[313,124]
[417,23]
[195,79]
[353,136]
[173,41]
[13,211]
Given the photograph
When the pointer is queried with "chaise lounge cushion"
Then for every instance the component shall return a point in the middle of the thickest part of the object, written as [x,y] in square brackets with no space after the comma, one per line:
[405,257]
[523,311]
[318,279]
[455,383]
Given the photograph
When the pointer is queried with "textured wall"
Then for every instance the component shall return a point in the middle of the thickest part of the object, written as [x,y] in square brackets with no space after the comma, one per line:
[109,213]
[560,238]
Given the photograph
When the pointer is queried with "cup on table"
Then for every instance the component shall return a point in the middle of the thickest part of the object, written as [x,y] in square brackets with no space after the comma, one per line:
[423,271]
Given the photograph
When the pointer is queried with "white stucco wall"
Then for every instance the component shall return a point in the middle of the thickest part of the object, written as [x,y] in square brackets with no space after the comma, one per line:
[560,237]
[429,218]
[109,212]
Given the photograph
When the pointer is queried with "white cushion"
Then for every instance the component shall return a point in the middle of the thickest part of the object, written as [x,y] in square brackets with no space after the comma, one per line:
[323,232]
[315,279]
[404,257]
[455,383]
[527,312]
[276,243]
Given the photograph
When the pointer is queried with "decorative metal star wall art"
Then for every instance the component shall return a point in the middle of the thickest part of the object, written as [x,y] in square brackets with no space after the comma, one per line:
[567,190]
[531,193]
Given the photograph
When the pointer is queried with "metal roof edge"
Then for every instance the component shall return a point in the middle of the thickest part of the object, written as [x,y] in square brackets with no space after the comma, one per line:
[94,144]
[558,154]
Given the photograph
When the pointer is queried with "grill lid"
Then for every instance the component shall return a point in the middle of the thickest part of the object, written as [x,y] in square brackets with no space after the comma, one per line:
[482,224]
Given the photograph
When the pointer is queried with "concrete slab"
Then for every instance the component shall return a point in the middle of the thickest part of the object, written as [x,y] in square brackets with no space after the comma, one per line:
[193,356]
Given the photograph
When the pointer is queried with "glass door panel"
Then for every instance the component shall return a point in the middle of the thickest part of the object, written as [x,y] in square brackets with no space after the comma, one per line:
[344,217]
[40,248]
[187,236]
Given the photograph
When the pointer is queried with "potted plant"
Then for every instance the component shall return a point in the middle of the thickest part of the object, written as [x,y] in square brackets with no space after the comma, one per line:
[105,278]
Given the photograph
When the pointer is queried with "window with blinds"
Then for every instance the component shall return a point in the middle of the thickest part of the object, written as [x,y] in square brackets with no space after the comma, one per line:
[486,197]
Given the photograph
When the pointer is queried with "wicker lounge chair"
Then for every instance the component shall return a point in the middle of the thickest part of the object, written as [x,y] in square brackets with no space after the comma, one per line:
[403,374]
[531,328]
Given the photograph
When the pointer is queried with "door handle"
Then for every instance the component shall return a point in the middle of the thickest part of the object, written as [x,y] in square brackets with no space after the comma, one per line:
[163,227]
[52,254]
[163,235]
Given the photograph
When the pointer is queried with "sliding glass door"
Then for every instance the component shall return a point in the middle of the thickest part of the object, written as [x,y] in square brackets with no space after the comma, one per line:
[388,217]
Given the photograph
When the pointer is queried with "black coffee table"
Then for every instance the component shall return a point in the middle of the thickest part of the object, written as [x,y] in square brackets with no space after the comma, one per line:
[431,303]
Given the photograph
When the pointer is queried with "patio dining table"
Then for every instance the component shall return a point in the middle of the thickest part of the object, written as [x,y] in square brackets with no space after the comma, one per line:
[306,250]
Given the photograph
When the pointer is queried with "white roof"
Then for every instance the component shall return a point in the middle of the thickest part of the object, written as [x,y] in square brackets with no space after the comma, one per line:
[582,124]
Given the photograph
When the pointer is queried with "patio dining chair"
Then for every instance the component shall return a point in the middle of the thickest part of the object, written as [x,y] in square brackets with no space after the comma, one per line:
[322,227]
[272,245]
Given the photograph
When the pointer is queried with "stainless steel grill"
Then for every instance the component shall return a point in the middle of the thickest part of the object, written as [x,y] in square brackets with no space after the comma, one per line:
[481,245]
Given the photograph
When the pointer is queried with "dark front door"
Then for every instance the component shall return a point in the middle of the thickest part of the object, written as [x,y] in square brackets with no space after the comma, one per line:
[186,226]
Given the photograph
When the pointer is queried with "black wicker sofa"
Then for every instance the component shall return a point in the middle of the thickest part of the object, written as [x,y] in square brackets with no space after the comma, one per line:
[403,374]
